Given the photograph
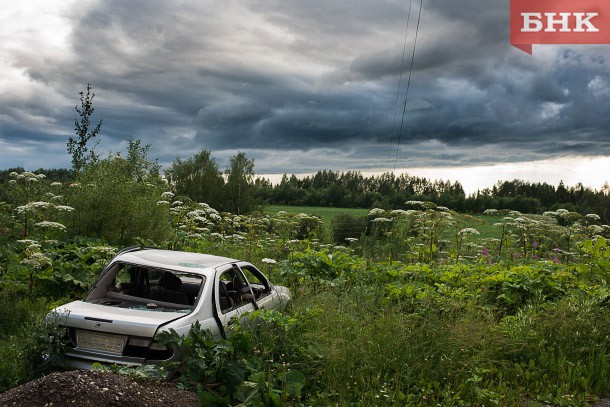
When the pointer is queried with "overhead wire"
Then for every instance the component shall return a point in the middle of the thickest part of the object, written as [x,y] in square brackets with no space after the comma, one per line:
[404,110]
[402,63]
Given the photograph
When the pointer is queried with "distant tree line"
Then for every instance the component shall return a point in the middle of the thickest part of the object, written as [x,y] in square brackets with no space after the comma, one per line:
[539,197]
[388,191]
[352,189]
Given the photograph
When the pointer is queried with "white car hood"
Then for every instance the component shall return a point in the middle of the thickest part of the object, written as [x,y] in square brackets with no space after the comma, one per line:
[103,318]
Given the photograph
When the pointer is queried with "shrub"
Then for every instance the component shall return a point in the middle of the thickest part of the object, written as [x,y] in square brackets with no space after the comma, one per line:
[114,204]
[346,226]
[29,347]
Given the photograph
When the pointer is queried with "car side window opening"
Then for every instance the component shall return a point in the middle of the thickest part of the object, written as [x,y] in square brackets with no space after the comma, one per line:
[258,283]
[233,290]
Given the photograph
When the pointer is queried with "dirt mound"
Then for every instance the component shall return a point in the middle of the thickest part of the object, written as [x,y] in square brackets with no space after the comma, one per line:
[92,388]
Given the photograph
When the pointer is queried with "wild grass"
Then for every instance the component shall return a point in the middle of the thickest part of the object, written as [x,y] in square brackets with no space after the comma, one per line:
[325,213]
[24,339]
[372,353]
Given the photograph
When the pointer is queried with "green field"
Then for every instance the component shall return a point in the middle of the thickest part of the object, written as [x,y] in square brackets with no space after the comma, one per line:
[326,214]
[482,223]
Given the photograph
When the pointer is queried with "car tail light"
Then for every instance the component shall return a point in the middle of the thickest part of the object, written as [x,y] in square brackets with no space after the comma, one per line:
[147,348]
[144,343]
[157,346]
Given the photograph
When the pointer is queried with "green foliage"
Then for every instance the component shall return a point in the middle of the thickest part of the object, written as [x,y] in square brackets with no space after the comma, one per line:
[346,227]
[29,346]
[116,199]
[198,178]
[144,372]
[426,306]
[57,269]
[76,265]
[240,369]
[388,191]
[82,155]
[240,181]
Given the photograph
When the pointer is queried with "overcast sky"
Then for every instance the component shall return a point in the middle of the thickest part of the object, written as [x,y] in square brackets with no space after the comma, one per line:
[303,86]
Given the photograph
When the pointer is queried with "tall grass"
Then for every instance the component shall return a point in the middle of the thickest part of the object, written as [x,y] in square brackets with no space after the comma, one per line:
[370,352]
[25,345]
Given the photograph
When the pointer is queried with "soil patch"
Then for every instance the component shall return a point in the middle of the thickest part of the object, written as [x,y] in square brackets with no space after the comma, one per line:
[95,388]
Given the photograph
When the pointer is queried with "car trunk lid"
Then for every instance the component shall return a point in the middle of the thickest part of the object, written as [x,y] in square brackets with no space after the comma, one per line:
[108,319]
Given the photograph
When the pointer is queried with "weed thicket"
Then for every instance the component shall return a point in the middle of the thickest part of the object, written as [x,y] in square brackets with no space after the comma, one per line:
[414,308]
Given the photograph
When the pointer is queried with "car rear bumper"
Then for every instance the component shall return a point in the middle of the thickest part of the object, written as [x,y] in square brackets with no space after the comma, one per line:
[84,359]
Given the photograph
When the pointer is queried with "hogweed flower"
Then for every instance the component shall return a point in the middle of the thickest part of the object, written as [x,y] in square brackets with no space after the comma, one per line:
[379,220]
[50,225]
[468,231]
[37,261]
[27,241]
[376,212]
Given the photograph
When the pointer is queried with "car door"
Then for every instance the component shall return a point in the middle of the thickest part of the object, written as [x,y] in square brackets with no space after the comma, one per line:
[232,300]
[260,286]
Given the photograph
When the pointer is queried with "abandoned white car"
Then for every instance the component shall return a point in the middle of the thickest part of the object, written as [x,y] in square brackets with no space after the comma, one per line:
[145,291]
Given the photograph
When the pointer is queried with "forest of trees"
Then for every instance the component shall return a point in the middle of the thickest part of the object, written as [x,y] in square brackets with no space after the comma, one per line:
[352,189]
[388,191]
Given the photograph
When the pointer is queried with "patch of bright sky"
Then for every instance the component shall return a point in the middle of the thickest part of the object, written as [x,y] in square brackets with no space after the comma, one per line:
[591,172]
[30,26]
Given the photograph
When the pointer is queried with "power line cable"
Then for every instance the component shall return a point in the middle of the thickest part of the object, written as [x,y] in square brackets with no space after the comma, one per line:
[402,63]
[408,83]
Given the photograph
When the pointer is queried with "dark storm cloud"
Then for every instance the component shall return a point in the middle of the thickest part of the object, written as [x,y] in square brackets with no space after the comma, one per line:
[316,81]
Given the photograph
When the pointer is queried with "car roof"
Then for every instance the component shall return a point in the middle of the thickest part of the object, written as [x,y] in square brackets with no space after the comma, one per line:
[187,262]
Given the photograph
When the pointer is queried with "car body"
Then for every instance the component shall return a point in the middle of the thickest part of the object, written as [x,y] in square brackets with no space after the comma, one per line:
[145,291]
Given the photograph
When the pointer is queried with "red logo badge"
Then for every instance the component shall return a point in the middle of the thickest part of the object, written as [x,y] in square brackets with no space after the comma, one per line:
[559,22]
